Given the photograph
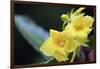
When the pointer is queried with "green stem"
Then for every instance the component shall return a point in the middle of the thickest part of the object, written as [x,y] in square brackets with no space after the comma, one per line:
[78,51]
[63,25]
[73,56]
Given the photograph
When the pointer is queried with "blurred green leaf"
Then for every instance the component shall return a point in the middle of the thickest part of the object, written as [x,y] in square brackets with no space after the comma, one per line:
[90,43]
[34,34]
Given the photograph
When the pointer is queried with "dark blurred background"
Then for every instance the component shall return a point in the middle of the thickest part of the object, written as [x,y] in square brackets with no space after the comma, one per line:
[44,15]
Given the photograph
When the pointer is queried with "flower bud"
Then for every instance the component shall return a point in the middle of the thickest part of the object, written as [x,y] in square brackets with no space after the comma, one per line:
[64,17]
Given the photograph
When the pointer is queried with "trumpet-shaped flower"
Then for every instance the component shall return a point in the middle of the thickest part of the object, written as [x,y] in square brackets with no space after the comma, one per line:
[59,47]
[79,28]
[54,46]
[61,44]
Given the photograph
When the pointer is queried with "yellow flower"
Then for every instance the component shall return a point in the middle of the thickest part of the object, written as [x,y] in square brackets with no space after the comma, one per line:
[79,28]
[54,46]
[58,46]
[71,45]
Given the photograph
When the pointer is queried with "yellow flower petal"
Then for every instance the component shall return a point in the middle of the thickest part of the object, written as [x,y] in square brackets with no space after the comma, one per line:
[81,37]
[57,37]
[87,31]
[71,45]
[54,34]
[88,21]
[69,33]
[78,22]
[48,47]
[60,55]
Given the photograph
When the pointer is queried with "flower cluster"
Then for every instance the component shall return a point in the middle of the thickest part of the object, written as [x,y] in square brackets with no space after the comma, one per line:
[74,35]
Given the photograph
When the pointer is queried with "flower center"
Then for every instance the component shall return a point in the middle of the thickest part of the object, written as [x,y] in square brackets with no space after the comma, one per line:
[79,26]
[61,44]
[60,41]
